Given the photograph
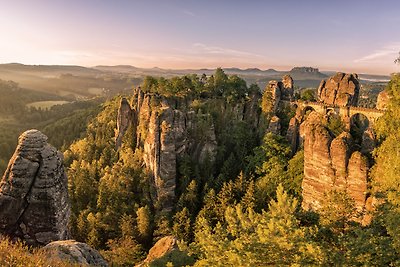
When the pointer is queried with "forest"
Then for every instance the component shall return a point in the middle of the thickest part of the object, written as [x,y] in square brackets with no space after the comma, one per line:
[241,209]
[244,211]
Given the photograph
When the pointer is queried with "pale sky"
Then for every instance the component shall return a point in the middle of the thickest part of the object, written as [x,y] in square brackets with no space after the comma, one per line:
[352,36]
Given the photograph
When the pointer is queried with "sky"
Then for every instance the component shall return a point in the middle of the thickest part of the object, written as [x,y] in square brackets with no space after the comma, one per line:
[353,36]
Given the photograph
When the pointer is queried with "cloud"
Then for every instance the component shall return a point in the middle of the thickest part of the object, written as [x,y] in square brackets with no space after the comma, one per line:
[215,50]
[188,12]
[389,50]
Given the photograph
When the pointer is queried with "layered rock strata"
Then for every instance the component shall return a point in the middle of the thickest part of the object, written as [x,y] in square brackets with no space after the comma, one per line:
[169,128]
[34,204]
[341,90]
[331,164]
[124,119]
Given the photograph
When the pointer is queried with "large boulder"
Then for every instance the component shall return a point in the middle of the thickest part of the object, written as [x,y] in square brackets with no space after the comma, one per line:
[161,248]
[74,252]
[34,204]
[383,100]
[341,90]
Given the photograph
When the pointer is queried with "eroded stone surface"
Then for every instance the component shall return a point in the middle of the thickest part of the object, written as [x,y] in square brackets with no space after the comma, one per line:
[331,164]
[34,204]
[124,119]
[341,89]
[168,129]
[383,100]
[75,253]
[161,248]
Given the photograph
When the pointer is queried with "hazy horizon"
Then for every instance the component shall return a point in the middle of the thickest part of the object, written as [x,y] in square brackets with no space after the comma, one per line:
[356,36]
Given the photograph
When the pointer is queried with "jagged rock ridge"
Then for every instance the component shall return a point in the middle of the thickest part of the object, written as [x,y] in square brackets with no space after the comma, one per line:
[168,128]
[34,204]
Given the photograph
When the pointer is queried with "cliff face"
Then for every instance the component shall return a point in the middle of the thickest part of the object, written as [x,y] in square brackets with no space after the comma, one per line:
[331,163]
[123,121]
[169,128]
[34,203]
[341,89]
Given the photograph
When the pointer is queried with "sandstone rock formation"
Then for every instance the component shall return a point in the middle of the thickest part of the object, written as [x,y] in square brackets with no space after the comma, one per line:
[75,253]
[272,95]
[274,125]
[287,88]
[341,90]
[331,164]
[123,121]
[34,204]
[277,91]
[161,248]
[168,129]
[383,100]
[292,134]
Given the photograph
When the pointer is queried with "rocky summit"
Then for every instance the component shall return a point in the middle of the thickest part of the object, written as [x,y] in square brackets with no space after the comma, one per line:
[340,90]
[34,204]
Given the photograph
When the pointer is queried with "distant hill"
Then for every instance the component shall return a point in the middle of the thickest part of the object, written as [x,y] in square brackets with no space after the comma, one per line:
[85,82]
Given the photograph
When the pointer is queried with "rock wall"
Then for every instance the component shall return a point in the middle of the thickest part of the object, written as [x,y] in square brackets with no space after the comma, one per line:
[168,128]
[341,89]
[124,119]
[34,204]
[331,163]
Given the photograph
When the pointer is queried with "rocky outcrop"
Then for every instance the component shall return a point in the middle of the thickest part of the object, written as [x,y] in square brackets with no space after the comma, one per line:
[272,95]
[74,252]
[161,248]
[169,129]
[331,164]
[383,100]
[304,70]
[124,119]
[287,88]
[341,90]
[292,134]
[368,141]
[34,204]
[274,125]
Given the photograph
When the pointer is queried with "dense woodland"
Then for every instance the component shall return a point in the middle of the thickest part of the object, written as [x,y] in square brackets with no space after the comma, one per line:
[245,211]
[63,124]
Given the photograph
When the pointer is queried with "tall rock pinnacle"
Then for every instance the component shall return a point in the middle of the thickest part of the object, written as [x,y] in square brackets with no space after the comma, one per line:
[34,204]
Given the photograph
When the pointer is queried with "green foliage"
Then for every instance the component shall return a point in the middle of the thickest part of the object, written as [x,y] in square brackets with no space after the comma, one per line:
[308,95]
[182,225]
[144,223]
[106,186]
[18,254]
[337,211]
[231,88]
[271,165]
[335,124]
[258,239]
[123,252]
